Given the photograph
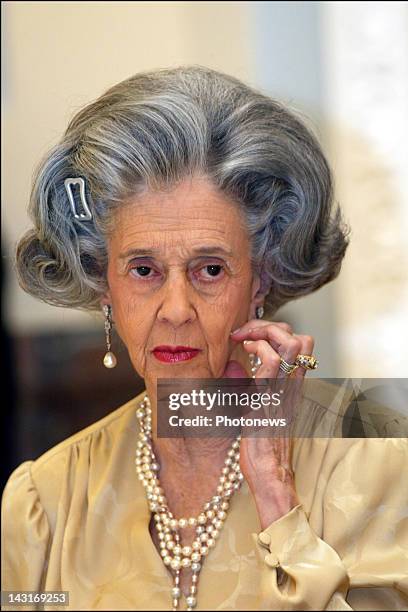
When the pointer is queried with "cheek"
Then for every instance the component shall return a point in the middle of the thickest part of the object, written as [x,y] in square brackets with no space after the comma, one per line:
[234,303]
[133,327]
[131,319]
[230,311]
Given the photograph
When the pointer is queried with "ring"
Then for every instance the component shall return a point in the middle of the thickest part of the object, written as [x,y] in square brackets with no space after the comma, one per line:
[286,367]
[306,361]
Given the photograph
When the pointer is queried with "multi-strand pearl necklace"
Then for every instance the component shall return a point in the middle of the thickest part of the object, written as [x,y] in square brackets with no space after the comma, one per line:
[209,522]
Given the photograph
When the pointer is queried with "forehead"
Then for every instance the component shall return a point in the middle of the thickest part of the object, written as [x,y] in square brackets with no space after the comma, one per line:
[193,211]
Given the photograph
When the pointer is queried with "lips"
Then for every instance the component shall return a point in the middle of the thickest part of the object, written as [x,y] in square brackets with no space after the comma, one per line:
[174,354]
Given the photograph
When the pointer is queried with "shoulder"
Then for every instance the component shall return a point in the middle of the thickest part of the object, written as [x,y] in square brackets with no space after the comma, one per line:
[352,413]
[349,443]
[378,412]
[116,421]
[70,461]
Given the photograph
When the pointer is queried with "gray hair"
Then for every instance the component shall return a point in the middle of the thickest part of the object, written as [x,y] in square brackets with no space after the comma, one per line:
[151,131]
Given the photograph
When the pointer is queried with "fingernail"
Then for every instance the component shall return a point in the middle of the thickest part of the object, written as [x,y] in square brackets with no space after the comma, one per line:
[248,341]
[235,331]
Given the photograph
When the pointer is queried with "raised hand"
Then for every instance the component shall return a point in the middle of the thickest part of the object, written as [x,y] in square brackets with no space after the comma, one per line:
[266,462]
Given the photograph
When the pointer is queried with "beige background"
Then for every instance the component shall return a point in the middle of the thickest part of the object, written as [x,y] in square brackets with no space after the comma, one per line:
[60,56]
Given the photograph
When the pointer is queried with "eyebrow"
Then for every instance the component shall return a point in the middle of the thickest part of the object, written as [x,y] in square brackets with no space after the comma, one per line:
[203,250]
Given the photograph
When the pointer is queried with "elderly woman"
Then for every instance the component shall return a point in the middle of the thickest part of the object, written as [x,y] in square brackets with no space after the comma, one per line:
[182,203]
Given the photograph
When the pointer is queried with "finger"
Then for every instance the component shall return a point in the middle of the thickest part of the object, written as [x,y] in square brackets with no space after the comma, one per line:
[293,390]
[269,357]
[255,323]
[270,368]
[270,362]
[252,323]
[306,348]
[284,326]
[286,344]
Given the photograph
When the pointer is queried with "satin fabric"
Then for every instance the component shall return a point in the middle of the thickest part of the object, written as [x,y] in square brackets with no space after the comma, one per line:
[76,519]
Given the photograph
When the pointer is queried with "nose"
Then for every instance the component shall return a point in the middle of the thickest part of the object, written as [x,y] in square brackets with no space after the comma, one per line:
[176,307]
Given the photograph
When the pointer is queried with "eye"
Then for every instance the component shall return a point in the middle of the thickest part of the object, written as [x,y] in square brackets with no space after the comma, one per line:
[213,269]
[143,272]
[210,272]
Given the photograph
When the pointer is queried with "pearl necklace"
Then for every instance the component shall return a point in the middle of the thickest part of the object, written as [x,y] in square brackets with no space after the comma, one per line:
[209,522]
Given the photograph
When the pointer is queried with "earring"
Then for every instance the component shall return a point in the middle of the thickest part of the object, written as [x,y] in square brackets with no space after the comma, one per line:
[259,312]
[254,360]
[109,361]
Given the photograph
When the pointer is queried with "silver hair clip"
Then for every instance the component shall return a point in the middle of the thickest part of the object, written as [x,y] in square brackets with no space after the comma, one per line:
[81,216]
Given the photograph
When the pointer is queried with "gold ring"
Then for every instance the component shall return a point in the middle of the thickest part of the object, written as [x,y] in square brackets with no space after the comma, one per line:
[286,367]
[306,361]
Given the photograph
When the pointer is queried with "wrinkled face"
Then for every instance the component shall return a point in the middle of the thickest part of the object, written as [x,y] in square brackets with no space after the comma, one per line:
[179,275]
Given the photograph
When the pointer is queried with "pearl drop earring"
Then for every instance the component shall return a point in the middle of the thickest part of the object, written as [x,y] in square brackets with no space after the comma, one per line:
[109,361]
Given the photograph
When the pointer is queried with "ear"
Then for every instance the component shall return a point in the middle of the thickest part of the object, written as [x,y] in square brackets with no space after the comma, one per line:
[105,299]
[257,298]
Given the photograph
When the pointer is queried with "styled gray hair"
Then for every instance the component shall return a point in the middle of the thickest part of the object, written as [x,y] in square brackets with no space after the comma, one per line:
[153,130]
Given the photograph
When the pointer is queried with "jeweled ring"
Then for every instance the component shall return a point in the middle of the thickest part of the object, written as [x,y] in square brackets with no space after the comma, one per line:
[286,367]
[306,361]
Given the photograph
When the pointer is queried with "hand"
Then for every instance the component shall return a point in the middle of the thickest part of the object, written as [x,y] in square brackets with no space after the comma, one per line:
[266,462]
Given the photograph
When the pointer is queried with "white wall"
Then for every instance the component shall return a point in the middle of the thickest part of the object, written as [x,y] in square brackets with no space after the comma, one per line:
[366,96]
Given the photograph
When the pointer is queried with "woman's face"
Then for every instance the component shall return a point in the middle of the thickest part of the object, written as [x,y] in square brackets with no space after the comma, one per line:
[179,275]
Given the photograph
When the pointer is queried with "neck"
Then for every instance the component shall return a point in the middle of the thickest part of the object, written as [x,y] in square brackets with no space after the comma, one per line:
[191,454]
[188,453]
[190,468]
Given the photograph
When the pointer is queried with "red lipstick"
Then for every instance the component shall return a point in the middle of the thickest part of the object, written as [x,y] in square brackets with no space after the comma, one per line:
[174,354]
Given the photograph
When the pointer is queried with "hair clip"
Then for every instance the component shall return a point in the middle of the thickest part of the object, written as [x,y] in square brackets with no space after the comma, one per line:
[81,216]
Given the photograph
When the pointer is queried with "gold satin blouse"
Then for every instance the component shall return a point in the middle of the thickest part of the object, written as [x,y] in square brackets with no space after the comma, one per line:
[76,519]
